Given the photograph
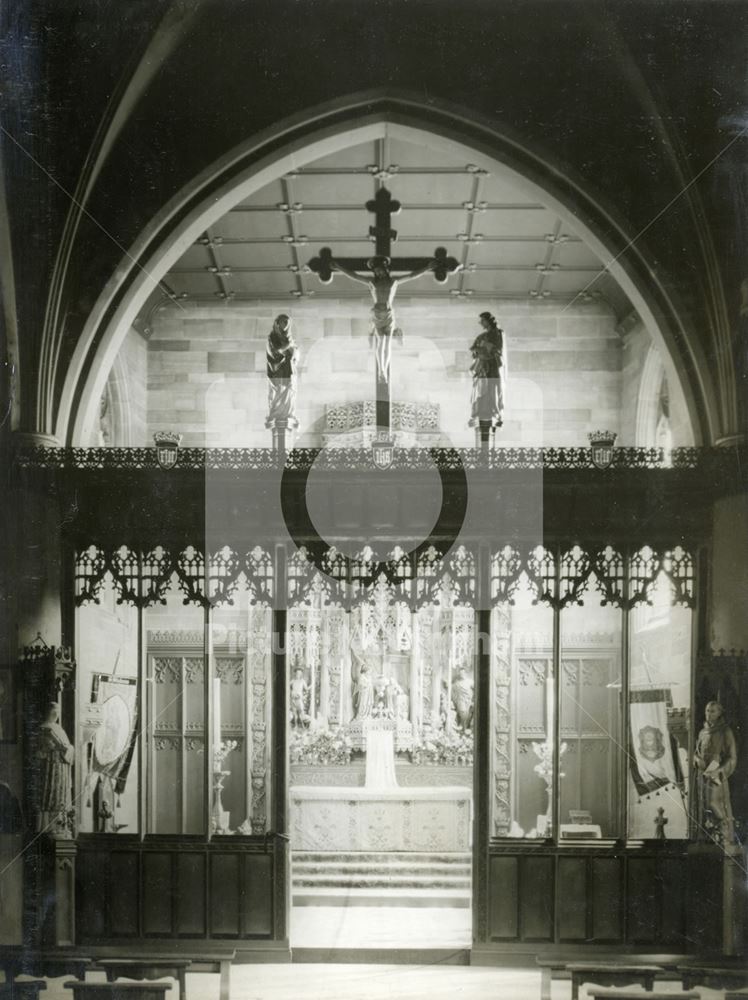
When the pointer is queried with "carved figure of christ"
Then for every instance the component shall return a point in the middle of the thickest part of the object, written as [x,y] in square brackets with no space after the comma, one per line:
[383,288]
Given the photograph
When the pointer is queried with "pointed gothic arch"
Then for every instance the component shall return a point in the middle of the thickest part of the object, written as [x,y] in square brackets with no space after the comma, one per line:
[325,131]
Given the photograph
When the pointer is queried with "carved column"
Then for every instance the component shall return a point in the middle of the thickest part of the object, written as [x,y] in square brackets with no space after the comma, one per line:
[259,669]
[324,666]
[502,758]
[63,932]
[482,759]
[281,852]
[333,651]
[346,693]
[415,690]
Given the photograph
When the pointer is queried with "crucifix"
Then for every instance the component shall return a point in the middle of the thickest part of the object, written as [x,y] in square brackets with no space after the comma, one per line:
[383,287]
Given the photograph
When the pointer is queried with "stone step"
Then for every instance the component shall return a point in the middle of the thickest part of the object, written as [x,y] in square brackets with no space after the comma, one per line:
[395,867]
[384,857]
[378,897]
[379,882]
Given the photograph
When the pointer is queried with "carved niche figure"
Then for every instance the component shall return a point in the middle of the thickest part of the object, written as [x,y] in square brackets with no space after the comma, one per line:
[56,756]
[363,697]
[463,699]
[715,760]
[488,371]
[282,357]
[299,692]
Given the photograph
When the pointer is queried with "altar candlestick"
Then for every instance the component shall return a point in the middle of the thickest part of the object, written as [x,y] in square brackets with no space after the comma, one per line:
[216,715]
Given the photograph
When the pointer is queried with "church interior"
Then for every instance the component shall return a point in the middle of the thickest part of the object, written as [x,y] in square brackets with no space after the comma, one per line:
[385,640]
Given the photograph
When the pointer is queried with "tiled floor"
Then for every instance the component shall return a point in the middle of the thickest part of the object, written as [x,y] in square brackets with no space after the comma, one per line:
[371,982]
[379,927]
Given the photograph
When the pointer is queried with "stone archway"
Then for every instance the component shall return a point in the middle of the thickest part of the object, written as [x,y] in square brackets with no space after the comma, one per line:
[323,133]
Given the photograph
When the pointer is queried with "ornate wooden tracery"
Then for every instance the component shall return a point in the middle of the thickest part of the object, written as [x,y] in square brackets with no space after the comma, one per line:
[623,578]
[143,578]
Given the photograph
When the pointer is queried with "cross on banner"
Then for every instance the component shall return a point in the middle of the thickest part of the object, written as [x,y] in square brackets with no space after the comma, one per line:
[383,287]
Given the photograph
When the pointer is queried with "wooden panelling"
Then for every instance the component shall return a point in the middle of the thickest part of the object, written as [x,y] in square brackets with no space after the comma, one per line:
[606,898]
[190,891]
[191,895]
[93,894]
[673,882]
[504,898]
[225,889]
[642,901]
[124,896]
[571,899]
[257,898]
[157,894]
[705,904]
[536,898]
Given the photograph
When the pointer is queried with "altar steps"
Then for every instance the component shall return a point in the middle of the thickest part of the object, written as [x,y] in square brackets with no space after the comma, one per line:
[381,879]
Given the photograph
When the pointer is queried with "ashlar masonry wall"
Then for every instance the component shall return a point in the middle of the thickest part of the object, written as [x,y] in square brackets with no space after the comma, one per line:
[206,368]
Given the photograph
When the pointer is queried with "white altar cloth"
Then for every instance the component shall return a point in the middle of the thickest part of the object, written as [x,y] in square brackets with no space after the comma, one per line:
[368,819]
[380,758]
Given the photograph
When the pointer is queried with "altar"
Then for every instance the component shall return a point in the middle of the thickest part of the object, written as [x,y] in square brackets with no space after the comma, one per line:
[370,819]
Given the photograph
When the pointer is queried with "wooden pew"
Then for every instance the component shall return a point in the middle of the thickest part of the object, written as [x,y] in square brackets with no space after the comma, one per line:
[27,989]
[717,975]
[15,960]
[141,962]
[117,991]
[147,968]
[555,966]
[619,973]
[604,993]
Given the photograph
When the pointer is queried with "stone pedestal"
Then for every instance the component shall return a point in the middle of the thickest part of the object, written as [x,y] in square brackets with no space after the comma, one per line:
[735,912]
[282,431]
[61,930]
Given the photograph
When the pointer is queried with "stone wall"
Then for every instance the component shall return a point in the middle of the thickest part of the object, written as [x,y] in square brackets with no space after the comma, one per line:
[206,368]
[643,368]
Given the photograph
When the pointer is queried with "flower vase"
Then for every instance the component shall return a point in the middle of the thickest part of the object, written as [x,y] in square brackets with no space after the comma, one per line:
[219,816]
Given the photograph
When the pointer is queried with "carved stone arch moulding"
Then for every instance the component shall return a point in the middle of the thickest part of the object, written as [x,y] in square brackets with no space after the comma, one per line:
[323,130]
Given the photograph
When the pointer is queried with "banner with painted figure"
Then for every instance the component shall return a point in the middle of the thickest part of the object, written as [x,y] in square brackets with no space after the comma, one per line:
[657,770]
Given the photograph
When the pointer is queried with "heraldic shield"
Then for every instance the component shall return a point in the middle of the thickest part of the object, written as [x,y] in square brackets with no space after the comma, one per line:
[167,448]
[602,446]
[382,451]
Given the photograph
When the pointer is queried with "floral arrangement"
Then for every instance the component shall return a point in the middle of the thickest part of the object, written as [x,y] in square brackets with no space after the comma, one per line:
[455,749]
[320,746]
[221,752]
[544,753]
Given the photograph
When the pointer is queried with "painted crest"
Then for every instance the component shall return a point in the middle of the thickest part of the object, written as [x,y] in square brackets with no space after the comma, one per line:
[167,448]
[602,446]
[382,451]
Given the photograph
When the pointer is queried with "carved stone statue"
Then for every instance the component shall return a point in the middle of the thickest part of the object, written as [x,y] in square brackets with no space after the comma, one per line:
[282,362]
[56,756]
[715,760]
[488,370]
[299,691]
[463,699]
[363,696]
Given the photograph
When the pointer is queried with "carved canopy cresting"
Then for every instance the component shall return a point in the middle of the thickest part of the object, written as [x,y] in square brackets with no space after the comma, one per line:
[143,578]
[558,575]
